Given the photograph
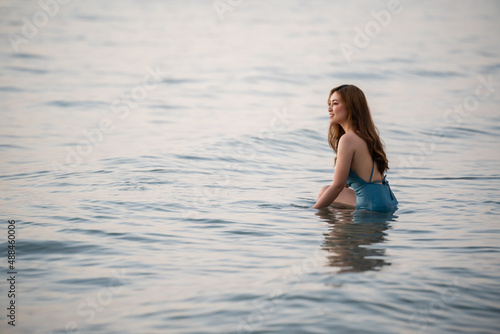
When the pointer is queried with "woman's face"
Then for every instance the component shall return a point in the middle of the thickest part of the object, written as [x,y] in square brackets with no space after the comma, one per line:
[338,114]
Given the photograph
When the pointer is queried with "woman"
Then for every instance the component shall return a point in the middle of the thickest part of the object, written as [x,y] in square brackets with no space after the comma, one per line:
[360,161]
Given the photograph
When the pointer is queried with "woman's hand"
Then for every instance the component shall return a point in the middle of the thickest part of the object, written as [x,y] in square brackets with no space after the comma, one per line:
[345,153]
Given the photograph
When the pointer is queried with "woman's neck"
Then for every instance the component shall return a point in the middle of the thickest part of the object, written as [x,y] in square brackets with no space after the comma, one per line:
[346,126]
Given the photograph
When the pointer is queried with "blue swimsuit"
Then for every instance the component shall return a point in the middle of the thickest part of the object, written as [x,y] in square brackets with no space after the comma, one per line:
[372,195]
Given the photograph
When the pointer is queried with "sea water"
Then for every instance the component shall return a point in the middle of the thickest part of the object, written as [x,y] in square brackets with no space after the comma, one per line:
[161,159]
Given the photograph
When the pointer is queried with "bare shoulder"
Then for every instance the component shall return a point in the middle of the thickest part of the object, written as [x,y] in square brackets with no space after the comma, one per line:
[350,139]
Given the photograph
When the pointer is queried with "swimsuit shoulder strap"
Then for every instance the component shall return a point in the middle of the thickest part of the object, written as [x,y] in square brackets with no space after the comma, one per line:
[373,166]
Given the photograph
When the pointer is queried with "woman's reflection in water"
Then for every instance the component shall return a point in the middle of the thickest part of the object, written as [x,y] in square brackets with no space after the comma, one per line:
[351,237]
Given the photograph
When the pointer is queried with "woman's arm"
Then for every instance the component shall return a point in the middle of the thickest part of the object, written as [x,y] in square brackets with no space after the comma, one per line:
[345,153]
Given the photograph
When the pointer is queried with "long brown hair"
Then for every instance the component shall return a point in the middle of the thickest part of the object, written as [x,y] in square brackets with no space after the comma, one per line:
[358,114]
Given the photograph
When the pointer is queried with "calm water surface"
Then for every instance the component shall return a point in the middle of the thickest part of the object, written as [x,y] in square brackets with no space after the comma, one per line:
[161,162]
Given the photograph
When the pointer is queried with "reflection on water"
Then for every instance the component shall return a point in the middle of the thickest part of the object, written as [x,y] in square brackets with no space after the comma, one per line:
[354,239]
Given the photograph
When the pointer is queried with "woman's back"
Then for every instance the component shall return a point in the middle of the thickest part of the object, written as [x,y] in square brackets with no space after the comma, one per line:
[372,189]
[362,160]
